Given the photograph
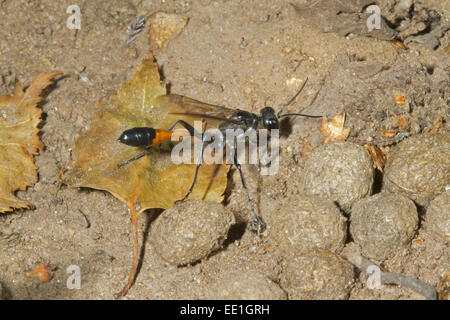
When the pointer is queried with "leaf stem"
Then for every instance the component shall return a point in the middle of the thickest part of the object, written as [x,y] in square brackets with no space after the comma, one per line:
[134,266]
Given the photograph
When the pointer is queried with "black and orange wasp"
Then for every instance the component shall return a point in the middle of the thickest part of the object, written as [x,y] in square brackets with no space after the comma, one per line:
[216,116]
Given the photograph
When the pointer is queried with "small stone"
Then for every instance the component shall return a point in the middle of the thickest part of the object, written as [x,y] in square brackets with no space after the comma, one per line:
[76,218]
[96,235]
[243,43]
[190,231]
[381,115]
[244,285]
[382,224]
[318,274]
[438,216]
[404,4]
[340,171]
[101,257]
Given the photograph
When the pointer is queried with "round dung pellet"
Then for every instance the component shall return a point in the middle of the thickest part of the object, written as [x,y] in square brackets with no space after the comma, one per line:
[317,274]
[382,224]
[190,231]
[419,167]
[244,285]
[438,216]
[305,222]
[340,171]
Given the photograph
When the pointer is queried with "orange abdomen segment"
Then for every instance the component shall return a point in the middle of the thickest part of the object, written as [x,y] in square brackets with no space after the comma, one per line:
[161,135]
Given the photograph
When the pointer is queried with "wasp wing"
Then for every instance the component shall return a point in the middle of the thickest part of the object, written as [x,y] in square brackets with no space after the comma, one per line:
[178,107]
[204,116]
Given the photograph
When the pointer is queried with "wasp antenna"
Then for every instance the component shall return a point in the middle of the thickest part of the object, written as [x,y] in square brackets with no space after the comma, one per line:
[292,99]
[298,115]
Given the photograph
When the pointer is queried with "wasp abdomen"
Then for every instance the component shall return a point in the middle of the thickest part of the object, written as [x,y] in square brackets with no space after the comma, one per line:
[138,137]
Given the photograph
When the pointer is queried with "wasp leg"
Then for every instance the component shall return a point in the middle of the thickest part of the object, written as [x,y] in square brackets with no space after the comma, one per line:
[187,126]
[199,163]
[257,225]
[138,156]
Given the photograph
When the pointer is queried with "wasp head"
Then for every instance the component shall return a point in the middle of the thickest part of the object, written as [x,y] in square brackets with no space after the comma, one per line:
[269,118]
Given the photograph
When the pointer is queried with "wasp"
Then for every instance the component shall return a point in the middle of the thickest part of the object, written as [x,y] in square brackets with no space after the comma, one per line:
[223,118]
[148,137]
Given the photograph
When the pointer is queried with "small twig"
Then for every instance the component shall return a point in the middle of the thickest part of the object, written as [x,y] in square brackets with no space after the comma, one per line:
[383,142]
[429,292]
[136,27]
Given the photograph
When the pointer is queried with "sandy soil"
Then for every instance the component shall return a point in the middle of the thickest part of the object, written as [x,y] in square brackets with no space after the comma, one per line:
[245,54]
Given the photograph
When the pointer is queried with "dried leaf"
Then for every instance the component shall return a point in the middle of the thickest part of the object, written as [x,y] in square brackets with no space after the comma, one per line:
[389,133]
[153,181]
[399,45]
[19,140]
[437,126]
[401,123]
[42,272]
[164,27]
[443,287]
[378,156]
[334,131]
[400,99]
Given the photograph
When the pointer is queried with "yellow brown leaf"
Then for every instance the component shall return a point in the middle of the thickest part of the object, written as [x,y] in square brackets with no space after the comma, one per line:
[153,181]
[19,140]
